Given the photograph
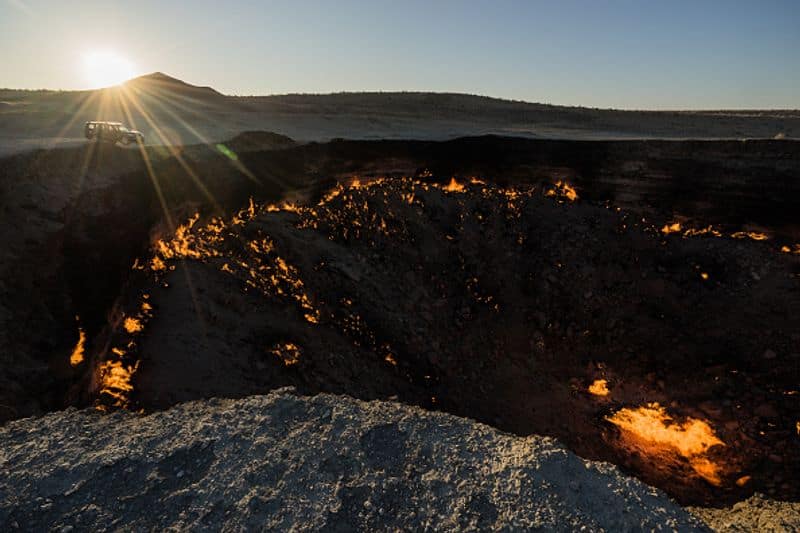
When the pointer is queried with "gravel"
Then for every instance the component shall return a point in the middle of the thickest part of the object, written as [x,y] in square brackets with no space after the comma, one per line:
[757,513]
[326,462]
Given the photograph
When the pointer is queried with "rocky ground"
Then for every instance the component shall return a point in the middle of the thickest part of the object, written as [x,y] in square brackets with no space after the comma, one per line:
[324,463]
[756,513]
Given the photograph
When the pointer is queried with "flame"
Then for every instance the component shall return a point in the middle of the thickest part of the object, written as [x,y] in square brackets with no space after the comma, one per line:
[454,186]
[288,352]
[788,250]
[754,235]
[245,214]
[675,227]
[568,191]
[157,264]
[77,353]
[333,193]
[133,325]
[181,243]
[695,232]
[704,275]
[691,439]
[563,189]
[116,379]
[291,207]
[390,359]
[599,388]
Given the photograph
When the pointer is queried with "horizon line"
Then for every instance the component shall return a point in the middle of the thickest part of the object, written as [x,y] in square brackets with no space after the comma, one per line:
[415,91]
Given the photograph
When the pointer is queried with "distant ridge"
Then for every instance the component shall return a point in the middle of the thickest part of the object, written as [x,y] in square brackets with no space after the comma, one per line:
[161,81]
[186,113]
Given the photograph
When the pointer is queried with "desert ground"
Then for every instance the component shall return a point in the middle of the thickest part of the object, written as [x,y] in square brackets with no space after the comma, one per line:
[621,283]
[170,111]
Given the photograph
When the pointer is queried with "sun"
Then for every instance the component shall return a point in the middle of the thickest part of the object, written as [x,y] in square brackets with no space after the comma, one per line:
[104,68]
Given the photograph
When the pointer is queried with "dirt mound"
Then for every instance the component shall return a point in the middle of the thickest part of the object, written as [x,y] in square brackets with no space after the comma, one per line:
[332,463]
[504,304]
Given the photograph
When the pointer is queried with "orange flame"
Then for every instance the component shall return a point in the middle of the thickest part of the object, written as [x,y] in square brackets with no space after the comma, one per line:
[454,186]
[116,378]
[754,235]
[599,388]
[788,250]
[157,264]
[133,325]
[77,353]
[564,190]
[675,227]
[691,439]
[568,191]
[288,353]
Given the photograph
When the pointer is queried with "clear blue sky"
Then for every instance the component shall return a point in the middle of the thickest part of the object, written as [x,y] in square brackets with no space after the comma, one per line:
[622,54]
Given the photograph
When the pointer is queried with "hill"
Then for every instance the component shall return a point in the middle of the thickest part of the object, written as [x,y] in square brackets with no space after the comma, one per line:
[172,111]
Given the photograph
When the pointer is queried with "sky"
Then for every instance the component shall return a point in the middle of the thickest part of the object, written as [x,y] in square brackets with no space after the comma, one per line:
[621,54]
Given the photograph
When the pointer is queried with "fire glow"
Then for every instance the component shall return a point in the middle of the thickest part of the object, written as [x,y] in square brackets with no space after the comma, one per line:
[563,190]
[77,353]
[676,227]
[599,388]
[288,353]
[133,325]
[454,186]
[650,429]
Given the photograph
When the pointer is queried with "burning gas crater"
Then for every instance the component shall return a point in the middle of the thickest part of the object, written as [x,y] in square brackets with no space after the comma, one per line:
[360,226]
